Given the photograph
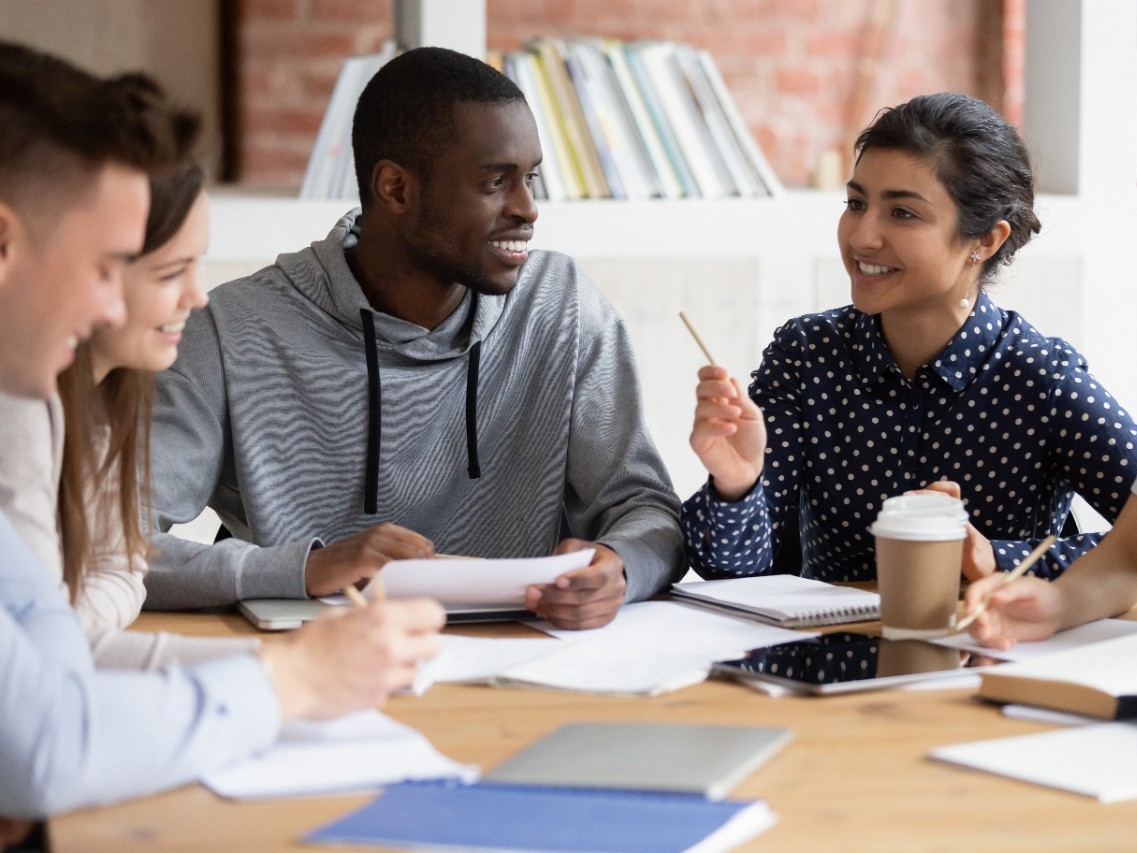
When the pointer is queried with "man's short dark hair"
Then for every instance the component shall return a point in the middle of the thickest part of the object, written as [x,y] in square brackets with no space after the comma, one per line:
[59,125]
[406,112]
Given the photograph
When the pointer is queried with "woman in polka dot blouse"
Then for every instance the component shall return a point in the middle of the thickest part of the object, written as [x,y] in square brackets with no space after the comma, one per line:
[923,382]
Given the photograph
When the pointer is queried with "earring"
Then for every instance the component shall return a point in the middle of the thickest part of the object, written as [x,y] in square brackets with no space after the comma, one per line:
[965,303]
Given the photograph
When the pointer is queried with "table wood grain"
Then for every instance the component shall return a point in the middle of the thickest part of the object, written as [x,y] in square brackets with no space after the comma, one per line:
[854,777]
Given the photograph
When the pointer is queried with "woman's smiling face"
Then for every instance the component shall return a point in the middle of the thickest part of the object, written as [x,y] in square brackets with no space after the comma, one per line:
[160,289]
[899,237]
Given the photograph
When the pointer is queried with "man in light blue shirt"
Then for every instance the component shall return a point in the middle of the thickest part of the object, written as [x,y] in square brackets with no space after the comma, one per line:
[75,154]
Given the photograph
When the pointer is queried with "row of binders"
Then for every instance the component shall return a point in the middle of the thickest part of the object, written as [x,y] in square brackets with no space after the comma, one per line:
[622,120]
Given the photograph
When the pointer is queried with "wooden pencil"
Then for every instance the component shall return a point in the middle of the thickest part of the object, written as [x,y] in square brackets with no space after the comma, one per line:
[1017,572]
[698,340]
[355,596]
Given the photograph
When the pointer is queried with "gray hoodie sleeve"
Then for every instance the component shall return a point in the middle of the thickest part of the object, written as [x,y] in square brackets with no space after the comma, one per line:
[618,491]
[191,450]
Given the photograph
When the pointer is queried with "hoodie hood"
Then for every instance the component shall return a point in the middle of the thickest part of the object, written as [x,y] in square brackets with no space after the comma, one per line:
[323,276]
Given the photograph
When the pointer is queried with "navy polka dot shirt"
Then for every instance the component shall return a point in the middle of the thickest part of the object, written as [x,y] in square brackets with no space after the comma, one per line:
[1010,415]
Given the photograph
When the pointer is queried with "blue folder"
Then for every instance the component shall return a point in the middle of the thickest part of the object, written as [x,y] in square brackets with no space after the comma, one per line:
[558,820]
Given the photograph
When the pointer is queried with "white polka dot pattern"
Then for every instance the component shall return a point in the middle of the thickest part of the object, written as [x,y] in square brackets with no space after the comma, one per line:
[1012,416]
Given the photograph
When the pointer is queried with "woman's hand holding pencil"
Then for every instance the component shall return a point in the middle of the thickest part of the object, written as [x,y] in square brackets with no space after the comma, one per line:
[729,434]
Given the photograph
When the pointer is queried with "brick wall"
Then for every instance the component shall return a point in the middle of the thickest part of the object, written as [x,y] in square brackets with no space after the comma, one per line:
[795,67]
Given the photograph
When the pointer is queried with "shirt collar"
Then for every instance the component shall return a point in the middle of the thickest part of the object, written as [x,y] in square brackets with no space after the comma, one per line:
[960,360]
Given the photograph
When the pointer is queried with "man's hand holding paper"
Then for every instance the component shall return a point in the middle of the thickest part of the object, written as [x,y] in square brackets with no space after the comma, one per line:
[574,587]
[583,598]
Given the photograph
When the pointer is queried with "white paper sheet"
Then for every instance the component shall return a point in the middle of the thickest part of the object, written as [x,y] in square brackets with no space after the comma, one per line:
[359,752]
[479,659]
[579,666]
[1095,760]
[651,647]
[657,627]
[1083,635]
[1045,715]
[474,582]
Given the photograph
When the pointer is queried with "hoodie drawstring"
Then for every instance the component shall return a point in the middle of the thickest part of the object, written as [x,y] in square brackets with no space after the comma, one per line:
[374,413]
[374,409]
[474,469]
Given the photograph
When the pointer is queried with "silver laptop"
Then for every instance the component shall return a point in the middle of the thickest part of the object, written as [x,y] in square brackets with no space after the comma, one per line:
[284,614]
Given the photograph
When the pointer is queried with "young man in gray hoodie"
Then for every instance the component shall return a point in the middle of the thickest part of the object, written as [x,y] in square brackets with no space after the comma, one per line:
[417,381]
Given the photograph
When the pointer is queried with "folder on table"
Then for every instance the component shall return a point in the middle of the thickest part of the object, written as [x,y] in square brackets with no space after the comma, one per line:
[564,820]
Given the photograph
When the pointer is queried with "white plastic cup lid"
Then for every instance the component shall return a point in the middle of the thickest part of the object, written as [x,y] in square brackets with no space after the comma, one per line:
[930,518]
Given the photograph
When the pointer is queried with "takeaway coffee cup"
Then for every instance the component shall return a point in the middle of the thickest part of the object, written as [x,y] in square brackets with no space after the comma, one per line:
[919,551]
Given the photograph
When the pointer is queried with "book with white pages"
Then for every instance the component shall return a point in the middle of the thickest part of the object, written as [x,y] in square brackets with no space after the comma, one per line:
[330,171]
[1097,680]
[520,68]
[1097,631]
[764,174]
[662,167]
[787,600]
[725,144]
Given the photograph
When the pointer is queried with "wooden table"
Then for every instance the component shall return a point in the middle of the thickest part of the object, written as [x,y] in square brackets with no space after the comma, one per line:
[855,777]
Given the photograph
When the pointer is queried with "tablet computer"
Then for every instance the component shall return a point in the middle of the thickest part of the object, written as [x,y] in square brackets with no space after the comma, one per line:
[843,662]
[284,614]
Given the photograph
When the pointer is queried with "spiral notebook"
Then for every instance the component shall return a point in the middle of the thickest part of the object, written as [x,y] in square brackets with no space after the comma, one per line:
[786,600]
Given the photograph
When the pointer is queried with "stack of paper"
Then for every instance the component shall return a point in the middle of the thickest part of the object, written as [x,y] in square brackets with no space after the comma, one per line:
[651,647]
[359,752]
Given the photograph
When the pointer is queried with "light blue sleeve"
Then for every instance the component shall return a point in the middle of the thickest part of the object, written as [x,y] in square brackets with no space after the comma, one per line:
[72,737]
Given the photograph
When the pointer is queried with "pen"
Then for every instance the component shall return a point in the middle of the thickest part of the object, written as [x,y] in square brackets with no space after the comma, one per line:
[1016,572]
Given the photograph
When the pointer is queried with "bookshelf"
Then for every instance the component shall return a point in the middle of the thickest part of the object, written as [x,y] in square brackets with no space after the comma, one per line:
[739,267]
